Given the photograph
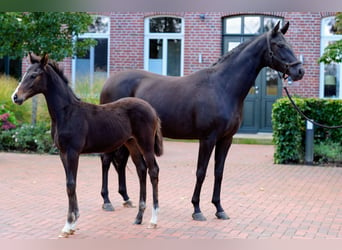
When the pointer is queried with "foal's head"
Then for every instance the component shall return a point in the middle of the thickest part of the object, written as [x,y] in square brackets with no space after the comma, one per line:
[35,80]
[280,54]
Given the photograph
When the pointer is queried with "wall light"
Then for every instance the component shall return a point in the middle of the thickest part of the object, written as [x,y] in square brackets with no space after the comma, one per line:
[202,16]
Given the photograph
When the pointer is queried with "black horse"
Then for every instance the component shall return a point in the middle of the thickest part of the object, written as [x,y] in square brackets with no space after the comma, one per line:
[206,105]
[78,127]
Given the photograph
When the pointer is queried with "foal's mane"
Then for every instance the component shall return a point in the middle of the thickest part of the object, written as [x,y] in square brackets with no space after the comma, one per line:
[54,65]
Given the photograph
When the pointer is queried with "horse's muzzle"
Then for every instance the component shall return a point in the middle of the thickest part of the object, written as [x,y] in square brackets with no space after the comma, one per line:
[296,73]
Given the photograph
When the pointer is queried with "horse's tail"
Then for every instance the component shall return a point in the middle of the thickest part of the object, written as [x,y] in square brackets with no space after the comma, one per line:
[158,140]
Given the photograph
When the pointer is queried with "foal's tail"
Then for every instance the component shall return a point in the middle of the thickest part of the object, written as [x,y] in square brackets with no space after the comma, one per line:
[158,140]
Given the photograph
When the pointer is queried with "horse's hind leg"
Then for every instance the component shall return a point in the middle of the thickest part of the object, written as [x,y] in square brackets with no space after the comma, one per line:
[119,161]
[221,150]
[205,150]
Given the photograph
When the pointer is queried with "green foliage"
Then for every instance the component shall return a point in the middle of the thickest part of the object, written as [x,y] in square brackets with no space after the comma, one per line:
[18,114]
[44,32]
[289,126]
[330,152]
[28,138]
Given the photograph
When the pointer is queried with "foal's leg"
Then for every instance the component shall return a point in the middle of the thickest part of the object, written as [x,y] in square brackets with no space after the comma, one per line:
[221,150]
[70,163]
[153,171]
[141,170]
[205,149]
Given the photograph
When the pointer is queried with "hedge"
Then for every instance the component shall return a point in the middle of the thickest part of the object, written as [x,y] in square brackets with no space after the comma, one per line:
[289,129]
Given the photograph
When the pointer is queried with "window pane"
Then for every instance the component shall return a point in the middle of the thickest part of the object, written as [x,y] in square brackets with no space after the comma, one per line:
[156,56]
[233,25]
[100,60]
[252,25]
[331,83]
[165,25]
[100,25]
[271,82]
[328,26]
[173,57]
[270,22]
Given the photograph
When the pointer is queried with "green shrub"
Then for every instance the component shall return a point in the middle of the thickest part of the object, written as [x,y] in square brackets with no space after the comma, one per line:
[289,127]
[28,138]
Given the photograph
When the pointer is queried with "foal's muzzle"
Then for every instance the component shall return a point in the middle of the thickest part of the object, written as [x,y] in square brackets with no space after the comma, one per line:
[16,99]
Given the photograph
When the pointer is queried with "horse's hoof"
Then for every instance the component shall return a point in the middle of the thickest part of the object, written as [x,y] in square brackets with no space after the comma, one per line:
[222,215]
[152,226]
[128,204]
[108,207]
[198,217]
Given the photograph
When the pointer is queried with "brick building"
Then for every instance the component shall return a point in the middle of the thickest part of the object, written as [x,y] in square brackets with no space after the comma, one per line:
[179,43]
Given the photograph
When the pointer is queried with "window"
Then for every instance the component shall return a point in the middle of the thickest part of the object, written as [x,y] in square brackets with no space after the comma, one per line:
[330,74]
[94,66]
[164,45]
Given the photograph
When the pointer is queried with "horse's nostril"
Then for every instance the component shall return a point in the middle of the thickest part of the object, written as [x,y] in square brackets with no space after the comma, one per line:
[301,72]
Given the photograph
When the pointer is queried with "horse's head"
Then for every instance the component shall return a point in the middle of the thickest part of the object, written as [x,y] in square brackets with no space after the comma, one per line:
[33,81]
[280,54]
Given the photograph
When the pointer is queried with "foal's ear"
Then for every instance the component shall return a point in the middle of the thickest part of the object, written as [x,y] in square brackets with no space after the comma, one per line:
[44,60]
[33,58]
[285,28]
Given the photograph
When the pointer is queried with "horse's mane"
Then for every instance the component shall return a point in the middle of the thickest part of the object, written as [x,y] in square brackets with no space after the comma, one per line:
[54,65]
[237,49]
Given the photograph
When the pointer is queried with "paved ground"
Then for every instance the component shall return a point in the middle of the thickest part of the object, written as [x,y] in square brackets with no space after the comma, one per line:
[263,200]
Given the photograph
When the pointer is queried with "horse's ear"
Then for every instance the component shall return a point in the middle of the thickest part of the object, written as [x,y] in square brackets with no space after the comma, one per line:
[33,58]
[285,28]
[276,28]
[44,60]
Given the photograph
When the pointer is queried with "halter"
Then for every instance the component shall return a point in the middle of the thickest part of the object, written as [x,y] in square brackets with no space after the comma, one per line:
[286,65]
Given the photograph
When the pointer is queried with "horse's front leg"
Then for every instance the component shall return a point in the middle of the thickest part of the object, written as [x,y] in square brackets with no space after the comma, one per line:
[221,151]
[205,149]
[106,159]
[70,163]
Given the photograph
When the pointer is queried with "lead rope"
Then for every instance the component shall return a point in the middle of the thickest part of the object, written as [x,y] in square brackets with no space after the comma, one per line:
[307,118]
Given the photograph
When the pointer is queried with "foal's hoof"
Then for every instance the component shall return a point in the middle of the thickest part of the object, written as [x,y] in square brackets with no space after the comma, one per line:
[128,204]
[66,234]
[152,226]
[222,215]
[198,217]
[108,207]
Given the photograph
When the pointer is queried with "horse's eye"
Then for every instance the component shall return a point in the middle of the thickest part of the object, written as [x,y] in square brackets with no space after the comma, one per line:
[34,75]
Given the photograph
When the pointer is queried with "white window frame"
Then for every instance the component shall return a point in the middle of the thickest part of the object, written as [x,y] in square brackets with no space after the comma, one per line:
[164,37]
[94,36]
[325,39]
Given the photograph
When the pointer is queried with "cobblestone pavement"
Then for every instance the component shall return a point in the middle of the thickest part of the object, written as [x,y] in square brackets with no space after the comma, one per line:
[263,200]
